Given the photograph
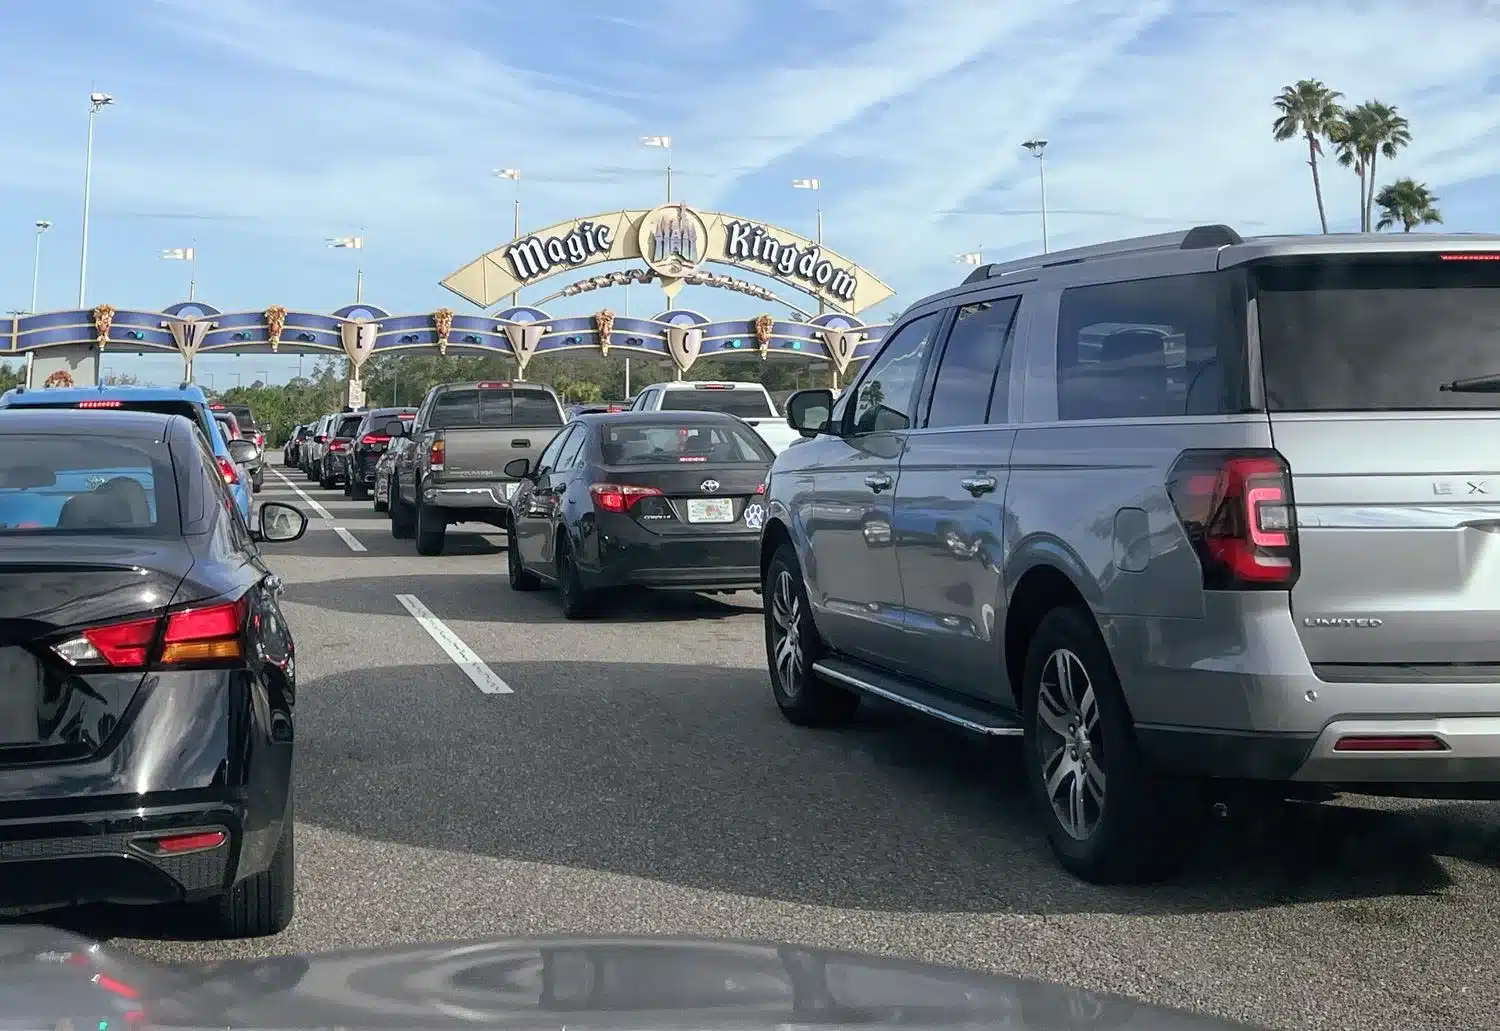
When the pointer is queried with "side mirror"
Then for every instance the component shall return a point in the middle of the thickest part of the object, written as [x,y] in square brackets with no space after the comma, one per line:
[518,468]
[807,411]
[279,523]
[243,452]
[395,428]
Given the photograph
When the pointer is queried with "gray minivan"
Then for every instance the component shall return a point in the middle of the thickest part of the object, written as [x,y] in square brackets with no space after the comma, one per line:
[1175,509]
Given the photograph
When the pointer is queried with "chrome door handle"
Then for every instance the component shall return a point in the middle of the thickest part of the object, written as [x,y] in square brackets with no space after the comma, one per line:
[878,482]
[977,485]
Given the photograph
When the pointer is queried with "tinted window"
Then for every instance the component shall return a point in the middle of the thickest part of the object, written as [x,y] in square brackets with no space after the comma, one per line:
[747,404]
[348,425]
[494,407]
[85,483]
[568,458]
[535,408]
[1146,348]
[885,395]
[967,374]
[1377,335]
[548,458]
[670,443]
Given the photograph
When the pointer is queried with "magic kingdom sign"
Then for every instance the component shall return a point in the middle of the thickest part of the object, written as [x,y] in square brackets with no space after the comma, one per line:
[673,240]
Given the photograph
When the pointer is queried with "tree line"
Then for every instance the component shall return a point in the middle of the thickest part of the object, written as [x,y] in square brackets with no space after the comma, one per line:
[1359,137]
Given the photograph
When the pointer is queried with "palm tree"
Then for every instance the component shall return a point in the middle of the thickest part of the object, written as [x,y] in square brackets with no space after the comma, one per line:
[1347,134]
[1386,132]
[1408,203]
[1364,135]
[1307,109]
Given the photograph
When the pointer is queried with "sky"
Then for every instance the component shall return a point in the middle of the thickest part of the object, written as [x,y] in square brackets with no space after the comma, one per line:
[253,130]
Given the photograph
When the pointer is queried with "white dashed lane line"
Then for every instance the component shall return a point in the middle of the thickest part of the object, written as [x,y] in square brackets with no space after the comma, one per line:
[322,512]
[349,539]
[473,667]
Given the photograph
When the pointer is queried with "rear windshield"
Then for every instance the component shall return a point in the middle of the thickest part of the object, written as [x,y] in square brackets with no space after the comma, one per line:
[348,425]
[229,426]
[186,408]
[1378,335]
[747,404]
[669,444]
[500,406]
[83,483]
[242,415]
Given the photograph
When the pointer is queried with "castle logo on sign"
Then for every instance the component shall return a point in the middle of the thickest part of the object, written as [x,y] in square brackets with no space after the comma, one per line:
[535,256]
[672,240]
[748,242]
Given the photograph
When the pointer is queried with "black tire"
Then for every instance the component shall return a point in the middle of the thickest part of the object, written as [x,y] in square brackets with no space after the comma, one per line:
[1134,824]
[262,904]
[521,578]
[403,521]
[258,480]
[577,601]
[803,697]
[431,529]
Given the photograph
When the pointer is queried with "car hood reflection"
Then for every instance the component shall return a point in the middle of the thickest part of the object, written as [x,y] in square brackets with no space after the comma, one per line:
[576,983]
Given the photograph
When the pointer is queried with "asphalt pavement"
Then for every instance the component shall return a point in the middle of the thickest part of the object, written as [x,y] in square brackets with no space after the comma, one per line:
[472,765]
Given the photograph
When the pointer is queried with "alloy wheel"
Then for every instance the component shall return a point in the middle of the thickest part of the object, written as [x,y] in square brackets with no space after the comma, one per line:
[1070,744]
[786,633]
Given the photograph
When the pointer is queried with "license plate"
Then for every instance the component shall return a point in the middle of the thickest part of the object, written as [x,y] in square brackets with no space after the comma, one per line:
[710,510]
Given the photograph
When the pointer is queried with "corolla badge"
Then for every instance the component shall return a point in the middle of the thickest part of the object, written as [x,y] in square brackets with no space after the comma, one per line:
[1342,622]
[709,486]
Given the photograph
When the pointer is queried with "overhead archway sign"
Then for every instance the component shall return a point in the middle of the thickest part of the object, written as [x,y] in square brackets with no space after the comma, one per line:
[673,240]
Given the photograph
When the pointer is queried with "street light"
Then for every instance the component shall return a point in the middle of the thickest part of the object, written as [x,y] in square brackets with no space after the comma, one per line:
[514,175]
[96,102]
[42,225]
[1038,148]
[812,184]
[665,143]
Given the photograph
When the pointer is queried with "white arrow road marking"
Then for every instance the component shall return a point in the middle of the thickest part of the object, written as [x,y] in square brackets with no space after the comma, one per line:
[473,667]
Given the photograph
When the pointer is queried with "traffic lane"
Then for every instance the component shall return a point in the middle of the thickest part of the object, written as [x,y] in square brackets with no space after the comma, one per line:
[669,797]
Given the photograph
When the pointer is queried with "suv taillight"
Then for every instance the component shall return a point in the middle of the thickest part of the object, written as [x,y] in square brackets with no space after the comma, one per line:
[338,444]
[228,471]
[1237,510]
[374,438]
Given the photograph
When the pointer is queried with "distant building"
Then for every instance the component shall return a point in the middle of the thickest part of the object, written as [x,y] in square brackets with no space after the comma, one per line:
[675,236]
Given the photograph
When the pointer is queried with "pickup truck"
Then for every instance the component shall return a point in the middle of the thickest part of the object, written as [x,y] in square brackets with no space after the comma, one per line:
[750,401]
[450,469]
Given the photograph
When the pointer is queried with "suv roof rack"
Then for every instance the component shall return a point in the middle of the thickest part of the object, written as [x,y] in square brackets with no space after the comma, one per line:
[1196,238]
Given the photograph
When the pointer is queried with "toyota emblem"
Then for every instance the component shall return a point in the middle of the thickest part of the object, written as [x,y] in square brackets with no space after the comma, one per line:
[709,486]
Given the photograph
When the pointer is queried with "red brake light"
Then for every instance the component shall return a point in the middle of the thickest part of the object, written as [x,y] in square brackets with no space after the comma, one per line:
[619,497]
[493,386]
[1237,511]
[436,453]
[375,438]
[1390,743]
[114,987]
[101,404]
[338,444]
[1469,257]
[206,634]
[121,644]
[714,386]
[177,844]
[217,408]
[228,471]
[321,437]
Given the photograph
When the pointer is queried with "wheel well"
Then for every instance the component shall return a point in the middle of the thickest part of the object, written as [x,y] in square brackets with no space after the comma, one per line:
[1042,589]
[771,538]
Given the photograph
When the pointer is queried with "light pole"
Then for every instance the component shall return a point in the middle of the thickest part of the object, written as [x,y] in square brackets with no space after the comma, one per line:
[96,102]
[1038,148]
[514,175]
[665,143]
[42,225]
[812,184]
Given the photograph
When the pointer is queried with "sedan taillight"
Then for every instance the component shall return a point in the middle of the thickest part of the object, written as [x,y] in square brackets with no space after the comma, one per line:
[209,634]
[619,497]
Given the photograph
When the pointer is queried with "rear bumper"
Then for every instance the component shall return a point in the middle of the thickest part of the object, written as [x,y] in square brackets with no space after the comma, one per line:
[87,857]
[495,495]
[633,557]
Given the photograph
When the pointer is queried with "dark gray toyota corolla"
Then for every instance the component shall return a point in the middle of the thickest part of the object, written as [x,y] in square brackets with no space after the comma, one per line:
[621,984]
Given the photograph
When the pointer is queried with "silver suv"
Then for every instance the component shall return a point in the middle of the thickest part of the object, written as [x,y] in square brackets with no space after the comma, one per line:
[1172,509]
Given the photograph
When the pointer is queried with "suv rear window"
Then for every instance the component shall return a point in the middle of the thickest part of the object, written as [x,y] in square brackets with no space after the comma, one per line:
[348,425]
[500,406]
[1377,334]
[85,483]
[747,404]
[186,408]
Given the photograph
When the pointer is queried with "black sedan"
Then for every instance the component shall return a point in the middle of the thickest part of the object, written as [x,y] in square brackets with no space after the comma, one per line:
[149,675]
[667,500]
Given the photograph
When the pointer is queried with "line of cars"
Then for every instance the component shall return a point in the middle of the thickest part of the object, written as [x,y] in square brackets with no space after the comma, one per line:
[148,673]
[1186,515]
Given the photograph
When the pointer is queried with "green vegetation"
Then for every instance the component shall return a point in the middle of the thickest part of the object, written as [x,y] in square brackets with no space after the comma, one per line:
[1360,137]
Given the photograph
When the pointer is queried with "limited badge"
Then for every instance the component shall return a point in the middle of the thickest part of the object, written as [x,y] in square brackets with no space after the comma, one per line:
[754,516]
